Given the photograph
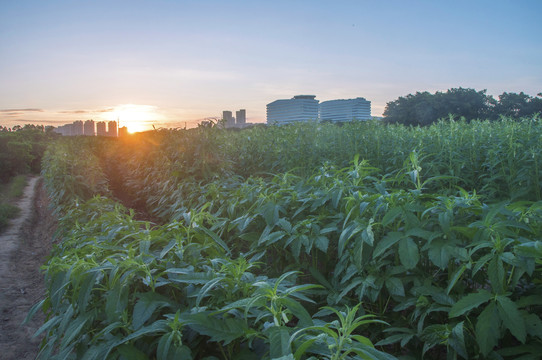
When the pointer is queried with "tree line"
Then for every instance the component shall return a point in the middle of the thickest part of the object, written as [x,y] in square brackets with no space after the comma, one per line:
[21,149]
[424,108]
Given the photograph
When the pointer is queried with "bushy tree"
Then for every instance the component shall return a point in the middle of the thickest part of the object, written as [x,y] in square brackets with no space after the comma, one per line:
[424,108]
[518,105]
[21,149]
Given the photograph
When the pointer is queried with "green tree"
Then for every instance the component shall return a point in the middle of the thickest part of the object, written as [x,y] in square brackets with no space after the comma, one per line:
[518,105]
[424,108]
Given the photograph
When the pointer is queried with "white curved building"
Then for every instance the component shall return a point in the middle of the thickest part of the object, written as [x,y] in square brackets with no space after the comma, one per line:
[345,110]
[298,108]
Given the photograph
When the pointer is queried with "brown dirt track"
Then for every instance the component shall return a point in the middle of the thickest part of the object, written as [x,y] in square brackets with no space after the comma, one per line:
[24,247]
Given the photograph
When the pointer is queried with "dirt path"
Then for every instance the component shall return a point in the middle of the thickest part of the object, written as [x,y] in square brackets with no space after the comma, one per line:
[24,247]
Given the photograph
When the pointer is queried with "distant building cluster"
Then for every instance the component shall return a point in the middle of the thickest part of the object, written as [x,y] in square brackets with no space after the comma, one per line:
[92,128]
[239,121]
[306,107]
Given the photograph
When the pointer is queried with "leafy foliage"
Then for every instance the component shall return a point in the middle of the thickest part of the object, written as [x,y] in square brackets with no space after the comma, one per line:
[279,245]
[424,108]
[21,150]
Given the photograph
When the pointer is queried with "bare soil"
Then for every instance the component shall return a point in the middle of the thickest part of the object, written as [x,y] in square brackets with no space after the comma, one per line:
[24,247]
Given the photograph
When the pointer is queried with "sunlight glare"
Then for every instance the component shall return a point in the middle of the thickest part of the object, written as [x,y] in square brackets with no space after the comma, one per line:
[135,117]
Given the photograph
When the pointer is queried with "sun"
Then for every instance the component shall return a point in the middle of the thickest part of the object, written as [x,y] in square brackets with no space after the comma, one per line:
[136,118]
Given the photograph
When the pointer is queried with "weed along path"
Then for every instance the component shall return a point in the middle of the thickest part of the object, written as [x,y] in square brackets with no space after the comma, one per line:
[23,249]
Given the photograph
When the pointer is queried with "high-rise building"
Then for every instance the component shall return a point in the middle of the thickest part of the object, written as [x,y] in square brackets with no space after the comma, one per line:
[123,131]
[78,128]
[112,128]
[64,130]
[241,117]
[345,110]
[298,108]
[101,128]
[228,118]
[89,129]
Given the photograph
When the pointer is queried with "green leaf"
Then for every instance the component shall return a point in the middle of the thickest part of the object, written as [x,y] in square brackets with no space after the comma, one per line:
[530,249]
[488,329]
[391,215]
[408,253]
[351,230]
[279,342]
[367,234]
[85,290]
[215,238]
[335,197]
[167,248]
[439,253]
[495,273]
[511,317]
[457,340]
[403,338]
[395,286]
[75,328]
[188,276]
[455,278]
[353,284]
[129,352]
[169,350]
[302,349]
[321,242]
[320,278]
[34,309]
[285,357]
[206,288]
[270,212]
[271,238]
[298,311]
[533,325]
[224,329]
[164,345]
[116,301]
[145,307]
[389,240]
[469,302]
[159,326]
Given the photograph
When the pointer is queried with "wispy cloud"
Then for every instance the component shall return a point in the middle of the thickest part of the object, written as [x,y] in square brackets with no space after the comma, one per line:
[85,111]
[17,112]
[74,112]
[20,110]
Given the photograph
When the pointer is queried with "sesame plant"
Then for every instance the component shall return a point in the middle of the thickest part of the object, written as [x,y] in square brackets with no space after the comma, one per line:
[360,241]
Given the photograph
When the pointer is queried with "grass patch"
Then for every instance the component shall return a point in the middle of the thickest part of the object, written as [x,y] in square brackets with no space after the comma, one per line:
[16,187]
[8,192]
[7,211]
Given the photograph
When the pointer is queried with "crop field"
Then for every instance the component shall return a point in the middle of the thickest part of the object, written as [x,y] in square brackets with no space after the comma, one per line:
[309,241]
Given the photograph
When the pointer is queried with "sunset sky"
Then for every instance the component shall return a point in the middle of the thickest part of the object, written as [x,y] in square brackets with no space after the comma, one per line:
[168,62]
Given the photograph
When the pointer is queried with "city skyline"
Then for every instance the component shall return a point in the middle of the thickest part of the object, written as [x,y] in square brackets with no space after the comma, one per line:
[174,63]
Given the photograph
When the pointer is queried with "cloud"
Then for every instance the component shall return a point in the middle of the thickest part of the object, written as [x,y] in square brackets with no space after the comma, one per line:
[20,110]
[85,111]
[74,112]
[41,122]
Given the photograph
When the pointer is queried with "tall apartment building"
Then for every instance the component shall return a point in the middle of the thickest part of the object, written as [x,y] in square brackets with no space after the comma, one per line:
[78,128]
[112,128]
[89,129]
[298,108]
[228,118]
[64,130]
[241,117]
[345,110]
[101,128]
[123,131]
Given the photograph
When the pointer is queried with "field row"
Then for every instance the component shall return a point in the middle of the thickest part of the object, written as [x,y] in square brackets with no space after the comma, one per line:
[358,241]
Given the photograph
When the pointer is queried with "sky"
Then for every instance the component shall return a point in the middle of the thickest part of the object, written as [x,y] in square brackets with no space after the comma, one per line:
[173,63]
